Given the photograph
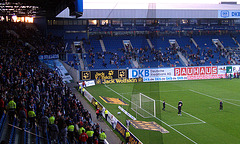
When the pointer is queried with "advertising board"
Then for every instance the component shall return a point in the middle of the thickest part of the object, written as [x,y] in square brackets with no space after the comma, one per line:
[151,73]
[103,74]
[171,78]
[193,71]
[121,129]
[120,80]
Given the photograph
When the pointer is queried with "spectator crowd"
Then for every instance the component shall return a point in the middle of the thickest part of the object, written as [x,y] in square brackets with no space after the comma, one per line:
[36,93]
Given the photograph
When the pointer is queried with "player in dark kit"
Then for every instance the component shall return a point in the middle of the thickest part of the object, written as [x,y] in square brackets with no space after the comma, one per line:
[221,105]
[163,105]
[180,109]
[180,104]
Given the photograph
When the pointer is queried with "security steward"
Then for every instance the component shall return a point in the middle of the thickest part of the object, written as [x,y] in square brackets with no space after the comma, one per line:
[102,137]
[90,133]
[127,136]
[51,120]
[32,116]
[79,88]
[106,114]
[11,107]
[96,104]
[83,89]
[71,132]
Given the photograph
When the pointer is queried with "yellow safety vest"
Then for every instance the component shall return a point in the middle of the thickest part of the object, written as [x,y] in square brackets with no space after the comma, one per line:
[81,129]
[51,120]
[102,136]
[31,114]
[90,133]
[12,105]
[127,134]
[106,111]
[71,128]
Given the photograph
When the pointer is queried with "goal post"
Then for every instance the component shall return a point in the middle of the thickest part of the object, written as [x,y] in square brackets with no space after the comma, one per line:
[143,105]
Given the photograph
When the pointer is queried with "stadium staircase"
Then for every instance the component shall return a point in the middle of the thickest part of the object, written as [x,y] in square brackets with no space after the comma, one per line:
[236,41]
[150,43]
[82,47]
[102,45]
[133,61]
[182,59]
[194,42]
[81,61]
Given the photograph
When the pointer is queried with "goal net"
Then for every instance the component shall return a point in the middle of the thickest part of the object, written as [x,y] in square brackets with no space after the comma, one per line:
[143,105]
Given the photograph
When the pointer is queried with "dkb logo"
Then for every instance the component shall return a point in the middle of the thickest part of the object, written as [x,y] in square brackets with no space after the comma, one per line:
[225,13]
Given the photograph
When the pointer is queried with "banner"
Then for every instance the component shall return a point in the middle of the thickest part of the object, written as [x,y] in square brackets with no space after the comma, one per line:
[221,69]
[90,83]
[204,70]
[121,129]
[172,78]
[120,80]
[98,105]
[229,69]
[48,57]
[157,72]
[103,74]
[215,76]
[228,13]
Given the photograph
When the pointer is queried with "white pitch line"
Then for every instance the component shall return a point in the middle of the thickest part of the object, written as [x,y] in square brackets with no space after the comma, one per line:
[186,113]
[232,99]
[186,124]
[158,119]
[158,91]
[213,97]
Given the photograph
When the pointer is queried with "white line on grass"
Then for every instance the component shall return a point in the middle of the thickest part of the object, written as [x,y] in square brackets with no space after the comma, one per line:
[157,91]
[156,118]
[186,113]
[232,99]
[186,124]
[213,97]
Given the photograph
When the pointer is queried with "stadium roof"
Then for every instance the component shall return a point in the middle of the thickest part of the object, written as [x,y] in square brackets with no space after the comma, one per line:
[148,9]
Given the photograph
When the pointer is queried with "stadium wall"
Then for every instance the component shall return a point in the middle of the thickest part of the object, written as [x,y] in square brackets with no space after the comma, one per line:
[73,72]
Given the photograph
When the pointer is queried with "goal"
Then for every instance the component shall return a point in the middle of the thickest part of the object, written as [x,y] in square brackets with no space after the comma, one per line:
[143,105]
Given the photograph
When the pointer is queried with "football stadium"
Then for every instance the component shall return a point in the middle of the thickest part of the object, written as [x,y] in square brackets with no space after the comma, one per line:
[119,72]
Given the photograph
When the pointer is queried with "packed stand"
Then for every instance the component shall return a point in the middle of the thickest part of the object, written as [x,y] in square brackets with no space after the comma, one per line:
[36,93]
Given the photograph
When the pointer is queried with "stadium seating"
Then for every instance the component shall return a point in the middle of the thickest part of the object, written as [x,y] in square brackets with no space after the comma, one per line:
[206,53]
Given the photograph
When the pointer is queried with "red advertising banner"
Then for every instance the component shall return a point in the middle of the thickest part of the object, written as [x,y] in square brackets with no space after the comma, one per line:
[215,76]
[195,71]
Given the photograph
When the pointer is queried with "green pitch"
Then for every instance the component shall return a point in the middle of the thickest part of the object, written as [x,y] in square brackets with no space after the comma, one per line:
[201,121]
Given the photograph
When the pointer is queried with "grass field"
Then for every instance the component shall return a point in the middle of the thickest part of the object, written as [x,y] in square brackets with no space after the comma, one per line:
[201,121]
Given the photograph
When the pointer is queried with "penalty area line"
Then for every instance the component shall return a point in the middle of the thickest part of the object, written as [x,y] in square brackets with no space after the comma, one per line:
[231,99]
[213,97]
[187,124]
[186,113]
[157,118]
